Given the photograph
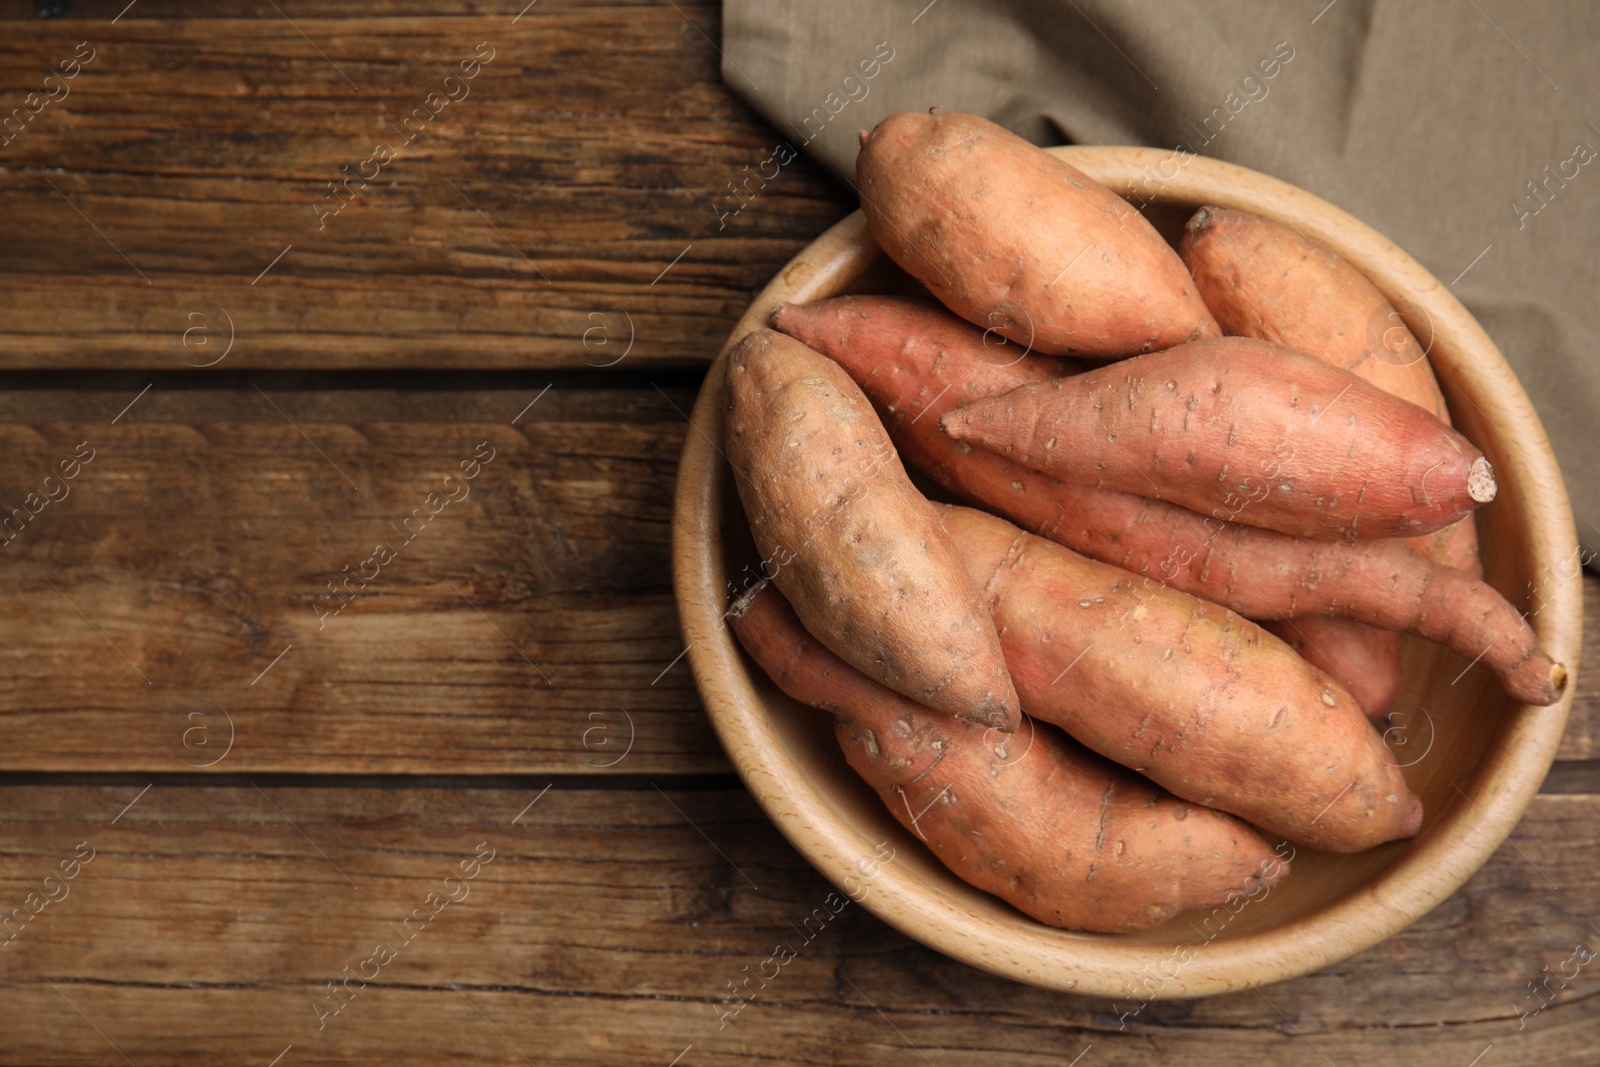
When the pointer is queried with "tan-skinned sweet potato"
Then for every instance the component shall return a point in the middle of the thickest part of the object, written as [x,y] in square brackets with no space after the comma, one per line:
[1062,835]
[916,363]
[855,547]
[1013,239]
[1363,659]
[1200,700]
[1234,428]
[1263,279]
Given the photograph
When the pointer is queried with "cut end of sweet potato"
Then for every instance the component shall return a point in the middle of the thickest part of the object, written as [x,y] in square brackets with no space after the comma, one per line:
[1200,221]
[1558,681]
[1539,680]
[956,424]
[865,135]
[1480,481]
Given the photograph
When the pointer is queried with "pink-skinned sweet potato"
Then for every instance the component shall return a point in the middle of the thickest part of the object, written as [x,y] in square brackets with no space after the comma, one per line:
[856,547]
[1200,700]
[1266,280]
[1243,430]
[1011,238]
[917,363]
[1062,835]
[1263,279]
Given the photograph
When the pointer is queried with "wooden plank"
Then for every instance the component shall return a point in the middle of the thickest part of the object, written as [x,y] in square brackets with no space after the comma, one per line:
[546,203]
[527,627]
[199,542]
[608,925]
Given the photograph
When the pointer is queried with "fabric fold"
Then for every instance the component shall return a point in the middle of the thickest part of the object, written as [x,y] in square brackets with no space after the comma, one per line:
[1469,142]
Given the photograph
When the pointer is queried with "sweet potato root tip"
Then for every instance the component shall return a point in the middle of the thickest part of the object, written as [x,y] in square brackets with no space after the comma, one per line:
[1549,692]
[1542,682]
[1480,481]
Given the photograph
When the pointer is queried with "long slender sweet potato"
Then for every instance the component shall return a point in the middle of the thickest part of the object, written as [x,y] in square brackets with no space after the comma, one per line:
[916,368]
[1263,279]
[1235,427]
[1202,701]
[857,549]
[1059,833]
[1363,659]
[1013,239]
[914,351]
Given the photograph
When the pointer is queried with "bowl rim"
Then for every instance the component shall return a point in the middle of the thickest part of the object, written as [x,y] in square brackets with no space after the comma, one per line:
[1008,944]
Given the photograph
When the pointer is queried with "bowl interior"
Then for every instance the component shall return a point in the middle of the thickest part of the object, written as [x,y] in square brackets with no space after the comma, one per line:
[1474,756]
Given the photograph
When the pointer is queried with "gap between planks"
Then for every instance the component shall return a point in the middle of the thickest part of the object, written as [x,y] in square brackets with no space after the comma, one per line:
[677,782]
[1566,778]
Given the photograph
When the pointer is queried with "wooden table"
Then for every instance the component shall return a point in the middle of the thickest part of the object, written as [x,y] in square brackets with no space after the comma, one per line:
[244,746]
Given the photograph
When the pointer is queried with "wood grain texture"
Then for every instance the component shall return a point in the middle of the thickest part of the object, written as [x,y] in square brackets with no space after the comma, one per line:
[598,145]
[202,534]
[201,144]
[527,627]
[608,925]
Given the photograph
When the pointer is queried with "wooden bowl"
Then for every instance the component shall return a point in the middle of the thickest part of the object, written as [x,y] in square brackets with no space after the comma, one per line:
[1475,757]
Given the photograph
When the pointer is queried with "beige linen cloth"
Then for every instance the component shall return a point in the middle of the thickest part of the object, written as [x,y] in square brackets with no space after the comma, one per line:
[1464,130]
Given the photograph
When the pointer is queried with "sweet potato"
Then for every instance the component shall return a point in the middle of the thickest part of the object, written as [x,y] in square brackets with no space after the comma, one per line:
[1263,279]
[916,367]
[1234,427]
[1054,830]
[856,548]
[1363,659]
[1013,239]
[1201,700]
